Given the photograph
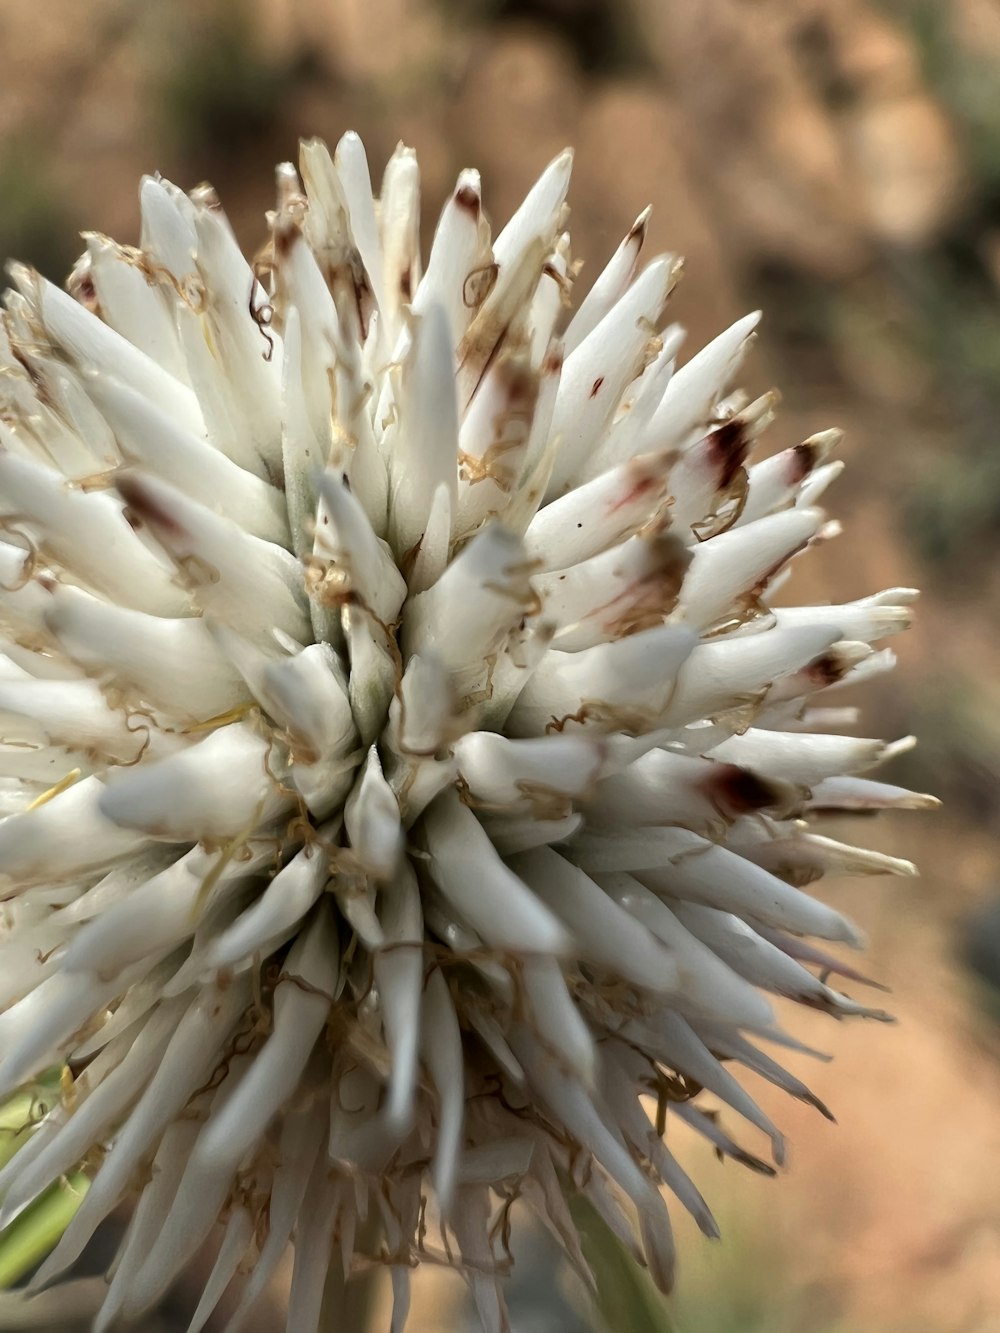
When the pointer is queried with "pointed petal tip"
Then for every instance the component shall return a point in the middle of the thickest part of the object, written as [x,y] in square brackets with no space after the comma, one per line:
[22,275]
[638,229]
[853,937]
[709,1228]
[823,443]
[811,1099]
[922,800]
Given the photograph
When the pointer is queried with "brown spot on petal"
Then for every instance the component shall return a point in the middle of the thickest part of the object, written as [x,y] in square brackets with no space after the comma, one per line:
[727,449]
[141,508]
[804,458]
[285,236]
[752,597]
[467,200]
[645,479]
[827,669]
[738,791]
[595,388]
[637,232]
[653,595]
[500,461]
[85,292]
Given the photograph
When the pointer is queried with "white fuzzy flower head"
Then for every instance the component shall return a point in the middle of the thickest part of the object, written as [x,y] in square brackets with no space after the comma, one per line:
[404,770]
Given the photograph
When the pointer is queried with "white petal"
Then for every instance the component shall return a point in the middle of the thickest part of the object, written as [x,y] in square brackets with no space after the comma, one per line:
[424,435]
[597,514]
[520,253]
[460,254]
[170,663]
[846,793]
[494,441]
[371,818]
[723,674]
[603,933]
[344,533]
[147,436]
[285,901]
[609,286]
[399,977]
[147,1221]
[616,593]
[400,225]
[698,384]
[62,837]
[761,963]
[236,578]
[488,895]
[704,873]
[87,532]
[300,1012]
[69,1141]
[95,346]
[218,788]
[130,303]
[441,1047]
[612,686]
[70,713]
[594,376]
[235,1243]
[557,1018]
[300,1142]
[775,482]
[352,169]
[709,987]
[37,1030]
[472,609]
[538,215]
[159,914]
[504,773]
[867,619]
[313,1250]
[741,561]
[800,757]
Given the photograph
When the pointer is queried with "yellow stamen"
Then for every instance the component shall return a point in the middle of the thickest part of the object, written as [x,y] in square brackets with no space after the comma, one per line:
[57,790]
[221,719]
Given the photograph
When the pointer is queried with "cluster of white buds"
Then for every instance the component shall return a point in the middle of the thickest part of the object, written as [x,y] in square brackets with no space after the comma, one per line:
[403,775]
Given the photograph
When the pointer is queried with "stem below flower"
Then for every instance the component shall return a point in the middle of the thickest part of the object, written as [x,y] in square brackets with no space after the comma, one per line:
[348,1304]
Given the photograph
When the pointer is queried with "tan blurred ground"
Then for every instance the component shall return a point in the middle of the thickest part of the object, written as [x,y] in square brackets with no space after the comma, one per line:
[773,137]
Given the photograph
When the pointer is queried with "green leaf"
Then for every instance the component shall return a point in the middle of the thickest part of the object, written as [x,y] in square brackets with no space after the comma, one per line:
[626,1296]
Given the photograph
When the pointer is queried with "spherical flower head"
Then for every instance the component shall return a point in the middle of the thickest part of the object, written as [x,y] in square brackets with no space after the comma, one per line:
[405,773]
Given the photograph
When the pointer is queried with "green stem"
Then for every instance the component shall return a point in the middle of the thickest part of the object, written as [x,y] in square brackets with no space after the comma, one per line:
[30,1237]
[20,1113]
[626,1297]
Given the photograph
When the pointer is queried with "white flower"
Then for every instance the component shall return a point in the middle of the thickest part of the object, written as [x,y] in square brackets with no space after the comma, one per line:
[402,771]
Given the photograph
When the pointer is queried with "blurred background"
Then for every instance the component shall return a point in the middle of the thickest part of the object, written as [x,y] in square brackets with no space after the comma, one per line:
[838,163]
